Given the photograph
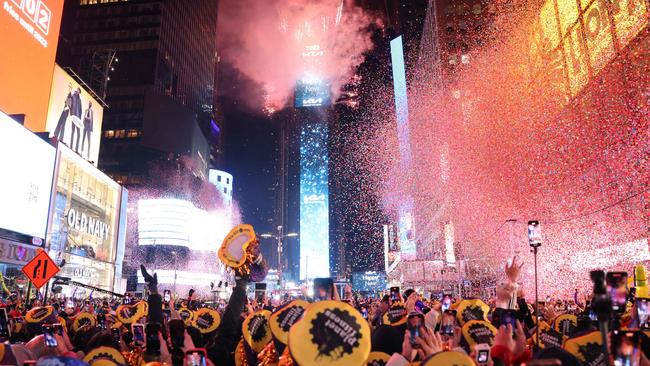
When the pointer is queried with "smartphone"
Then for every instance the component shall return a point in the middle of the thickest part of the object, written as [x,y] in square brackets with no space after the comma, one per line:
[260,292]
[482,353]
[534,233]
[394,293]
[195,357]
[58,329]
[152,332]
[448,323]
[364,313]
[48,335]
[446,302]
[625,347]
[101,321]
[617,289]
[323,288]
[87,306]
[115,332]
[643,312]
[5,329]
[177,334]
[509,317]
[138,334]
[413,324]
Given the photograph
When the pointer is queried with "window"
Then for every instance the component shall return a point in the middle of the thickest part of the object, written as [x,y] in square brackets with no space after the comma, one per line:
[119,134]
[477,9]
[452,46]
[225,190]
[453,60]
[133,133]
[227,180]
[450,28]
[464,47]
[109,134]
[464,59]
[218,178]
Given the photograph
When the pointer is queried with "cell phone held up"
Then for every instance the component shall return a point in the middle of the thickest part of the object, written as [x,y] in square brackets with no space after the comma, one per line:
[138,334]
[394,293]
[48,336]
[482,353]
[617,288]
[448,323]
[414,325]
[195,357]
[260,292]
[323,288]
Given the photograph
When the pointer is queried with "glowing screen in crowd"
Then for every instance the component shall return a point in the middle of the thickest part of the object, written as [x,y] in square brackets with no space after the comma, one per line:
[314,202]
[28,166]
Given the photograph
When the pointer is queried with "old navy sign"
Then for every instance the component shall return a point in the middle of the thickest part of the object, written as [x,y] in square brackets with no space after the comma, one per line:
[82,222]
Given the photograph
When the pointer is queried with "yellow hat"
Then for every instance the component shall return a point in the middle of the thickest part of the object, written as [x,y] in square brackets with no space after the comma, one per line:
[478,331]
[377,359]
[38,314]
[83,319]
[396,314]
[104,356]
[206,320]
[474,309]
[330,333]
[256,330]
[282,320]
[587,348]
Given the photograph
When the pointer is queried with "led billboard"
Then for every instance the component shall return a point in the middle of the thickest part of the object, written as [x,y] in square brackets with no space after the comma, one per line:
[312,93]
[29,30]
[85,211]
[27,166]
[369,281]
[74,117]
[583,40]
[314,201]
[177,222]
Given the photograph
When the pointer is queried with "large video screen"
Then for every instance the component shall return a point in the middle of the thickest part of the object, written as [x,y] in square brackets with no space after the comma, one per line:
[29,34]
[312,93]
[27,166]
[74,116]
[314,201]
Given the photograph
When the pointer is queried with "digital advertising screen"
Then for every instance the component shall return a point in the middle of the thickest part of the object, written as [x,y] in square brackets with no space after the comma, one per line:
[85,218]
[314,201]
[369,281]
[312,93]
[27,167]
[29,30]
[74,116]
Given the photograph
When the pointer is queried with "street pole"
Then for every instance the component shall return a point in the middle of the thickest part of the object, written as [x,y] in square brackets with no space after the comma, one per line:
[280,256]
[536,302]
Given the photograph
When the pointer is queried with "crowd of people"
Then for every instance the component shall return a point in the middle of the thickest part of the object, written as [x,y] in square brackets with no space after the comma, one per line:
[399,328]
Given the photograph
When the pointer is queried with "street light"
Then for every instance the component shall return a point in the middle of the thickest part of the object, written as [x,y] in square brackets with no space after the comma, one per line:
[279,236]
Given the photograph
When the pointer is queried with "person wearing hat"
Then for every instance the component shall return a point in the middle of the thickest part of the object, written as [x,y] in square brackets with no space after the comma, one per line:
[155,316]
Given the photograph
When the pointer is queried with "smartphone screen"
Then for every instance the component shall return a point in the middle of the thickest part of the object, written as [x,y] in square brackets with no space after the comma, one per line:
[413,324]
[482,356]
[138,334]
[195,357]
[167,296]
[260,292]
[153,341]
[115,332]
[534,233]
[48,335]
[617,289]
[101,321]
[446,302]
[643,312]
[364,313]
[5,330]
[625,348]
[509,317]
[394,293]
[448,323]
[323,288]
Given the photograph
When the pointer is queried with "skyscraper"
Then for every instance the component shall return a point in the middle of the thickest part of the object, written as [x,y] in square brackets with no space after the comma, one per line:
[162,68]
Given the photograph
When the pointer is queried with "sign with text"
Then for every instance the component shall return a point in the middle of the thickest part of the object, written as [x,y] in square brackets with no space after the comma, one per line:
[40,269]
[29,30]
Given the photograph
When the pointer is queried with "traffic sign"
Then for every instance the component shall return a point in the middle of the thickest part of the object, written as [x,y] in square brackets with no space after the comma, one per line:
[40,269]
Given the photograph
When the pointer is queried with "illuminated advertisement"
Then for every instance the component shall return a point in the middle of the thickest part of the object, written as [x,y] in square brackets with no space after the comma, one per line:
[87,271]
[314,201]
[27,166]
[85,211]
[29,30]
[312,93]
[369,281]
[74,117]
[405,216]
[177,222]
[391,247]
[585,33]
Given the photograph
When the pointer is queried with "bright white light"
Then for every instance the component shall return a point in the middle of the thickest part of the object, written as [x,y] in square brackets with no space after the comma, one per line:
[179,222]
[193,278]
[311,79]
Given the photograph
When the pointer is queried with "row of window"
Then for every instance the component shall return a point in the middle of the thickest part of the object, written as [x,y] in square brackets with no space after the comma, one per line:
[219,180]
[117,35]
[463,9]
[120,134]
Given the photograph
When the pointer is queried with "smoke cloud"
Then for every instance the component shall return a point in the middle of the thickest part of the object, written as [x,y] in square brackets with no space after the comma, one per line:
[276,43]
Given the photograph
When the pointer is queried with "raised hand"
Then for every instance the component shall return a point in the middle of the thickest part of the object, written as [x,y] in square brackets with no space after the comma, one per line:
[513,270]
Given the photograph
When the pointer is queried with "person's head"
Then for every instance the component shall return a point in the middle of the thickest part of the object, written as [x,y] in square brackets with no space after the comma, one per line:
[103,338]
